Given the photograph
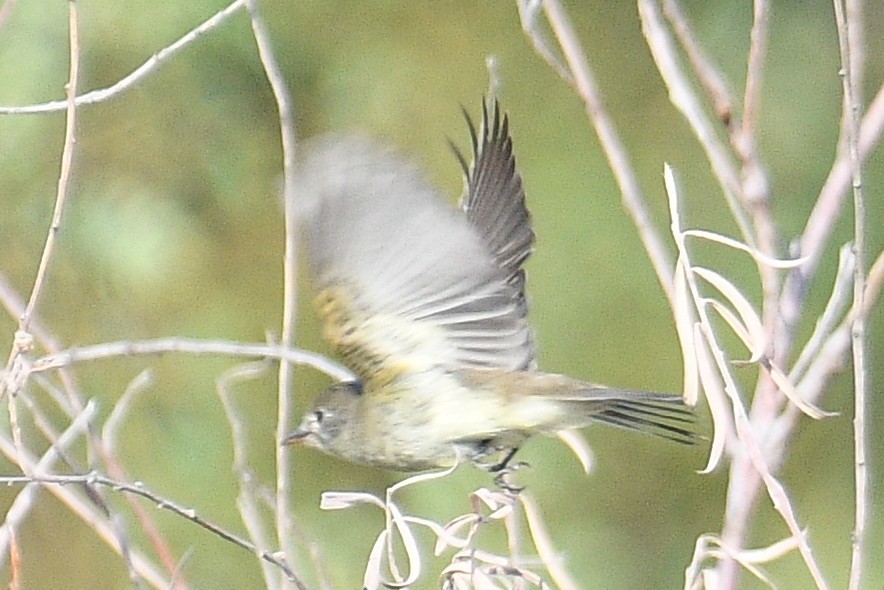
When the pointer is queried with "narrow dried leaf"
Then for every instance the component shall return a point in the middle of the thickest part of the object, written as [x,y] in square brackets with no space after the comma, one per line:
[788,389]
[684,327]
[529,576]
[778,495]
[501,513]
[342,500]
[578,445]
[672,194]
[448,537]
[755,571]
[736,244]
[489,558]
[694,571]
[772,551]
[371,580]
[739,301]
[420,478]
[715,396]
[492,499]
[445,536]
[710,579]
[412,553]
[719,554]
[739,329]
[482,581]
[545,549]
[832,315]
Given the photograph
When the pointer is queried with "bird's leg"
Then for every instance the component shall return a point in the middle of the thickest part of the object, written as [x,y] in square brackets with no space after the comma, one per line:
[482,451]
[503,469]
[503,465]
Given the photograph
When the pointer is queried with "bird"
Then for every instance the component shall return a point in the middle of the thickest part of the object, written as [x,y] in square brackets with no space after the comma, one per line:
[425,302]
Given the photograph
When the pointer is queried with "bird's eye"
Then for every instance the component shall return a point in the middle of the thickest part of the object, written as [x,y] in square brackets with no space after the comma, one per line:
[318,415]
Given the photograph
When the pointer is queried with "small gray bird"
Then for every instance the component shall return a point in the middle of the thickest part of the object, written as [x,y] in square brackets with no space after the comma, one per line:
[426,305]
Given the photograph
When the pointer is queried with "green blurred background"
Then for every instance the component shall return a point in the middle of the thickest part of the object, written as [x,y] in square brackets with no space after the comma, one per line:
[174,227]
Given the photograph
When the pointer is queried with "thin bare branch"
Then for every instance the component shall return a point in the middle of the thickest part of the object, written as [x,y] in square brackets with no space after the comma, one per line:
[827,210]
[529,11]
[159,59]
[23,502]
[160,502]
[247,502]
[755,191]
[121,410]
[853,110]
[632,196]
[684,98]
[831,316]
[83,507]
[22,340]
[70,401]
[285,106]
[190,346]
[707,74]
[755,68]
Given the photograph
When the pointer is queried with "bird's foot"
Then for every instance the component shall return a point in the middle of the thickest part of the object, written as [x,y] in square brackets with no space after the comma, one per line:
[501,479]
[502,472]
[502,469]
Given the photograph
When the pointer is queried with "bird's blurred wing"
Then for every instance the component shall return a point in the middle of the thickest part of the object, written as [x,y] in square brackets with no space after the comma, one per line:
[494,203]
[406,282]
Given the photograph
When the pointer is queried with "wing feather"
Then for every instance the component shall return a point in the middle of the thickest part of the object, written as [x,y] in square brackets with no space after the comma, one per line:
[494,203]
[407,282]
[494,200]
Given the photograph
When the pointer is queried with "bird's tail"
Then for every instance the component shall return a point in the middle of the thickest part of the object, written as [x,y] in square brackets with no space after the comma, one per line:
[665,416]
[551,402]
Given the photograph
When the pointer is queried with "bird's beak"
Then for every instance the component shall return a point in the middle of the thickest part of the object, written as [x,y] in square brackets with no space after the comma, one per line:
[296,437]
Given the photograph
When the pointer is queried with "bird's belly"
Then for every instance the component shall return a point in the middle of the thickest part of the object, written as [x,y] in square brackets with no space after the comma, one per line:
[432,419]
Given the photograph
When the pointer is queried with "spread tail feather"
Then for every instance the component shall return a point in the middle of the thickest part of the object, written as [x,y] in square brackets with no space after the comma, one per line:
[663,416]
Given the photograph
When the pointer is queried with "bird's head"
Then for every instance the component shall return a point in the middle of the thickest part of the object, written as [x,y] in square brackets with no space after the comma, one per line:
[332,417]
